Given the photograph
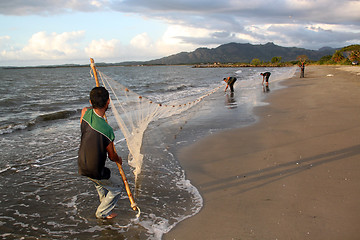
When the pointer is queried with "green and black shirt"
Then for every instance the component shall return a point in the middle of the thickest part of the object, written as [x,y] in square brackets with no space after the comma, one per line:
[96,135]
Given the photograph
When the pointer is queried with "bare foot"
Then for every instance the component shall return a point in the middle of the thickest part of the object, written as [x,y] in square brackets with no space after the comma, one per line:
[112,215]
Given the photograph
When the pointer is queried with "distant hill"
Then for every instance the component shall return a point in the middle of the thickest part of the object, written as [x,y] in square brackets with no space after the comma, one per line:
[242,52]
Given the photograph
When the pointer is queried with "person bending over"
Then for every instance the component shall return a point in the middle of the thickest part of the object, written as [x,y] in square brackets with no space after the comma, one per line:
[97,142]
[266,77]
[230,83]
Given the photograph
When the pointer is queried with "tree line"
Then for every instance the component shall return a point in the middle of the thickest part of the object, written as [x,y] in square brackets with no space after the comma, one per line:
[349,55]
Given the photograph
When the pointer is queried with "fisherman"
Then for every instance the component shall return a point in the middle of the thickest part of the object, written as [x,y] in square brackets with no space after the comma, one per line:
[302,68]
[97,142]
[266,76]
[230,83]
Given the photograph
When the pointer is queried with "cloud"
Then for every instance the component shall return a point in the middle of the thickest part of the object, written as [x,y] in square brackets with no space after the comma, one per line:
[313,36]
[286,22]
[114,50]
[103,48]
[67,46]
[142,47]
[4,38]
[3,41]
[141,41]
[186,11]
[324,11]
[47,46]
[179,38]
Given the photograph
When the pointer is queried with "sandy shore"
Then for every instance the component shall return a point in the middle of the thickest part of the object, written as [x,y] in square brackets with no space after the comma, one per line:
[293,175]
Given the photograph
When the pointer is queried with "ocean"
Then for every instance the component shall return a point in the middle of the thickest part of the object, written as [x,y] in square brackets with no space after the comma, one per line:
[42,195]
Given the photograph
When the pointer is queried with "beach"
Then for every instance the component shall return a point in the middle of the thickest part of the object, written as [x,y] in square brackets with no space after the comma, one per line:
[40,137]
[292,175]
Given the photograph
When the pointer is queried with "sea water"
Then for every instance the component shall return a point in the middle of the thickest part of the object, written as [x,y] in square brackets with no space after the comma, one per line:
[42,195]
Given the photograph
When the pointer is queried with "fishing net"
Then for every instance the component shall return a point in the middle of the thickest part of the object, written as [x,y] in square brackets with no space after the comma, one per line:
[133,114]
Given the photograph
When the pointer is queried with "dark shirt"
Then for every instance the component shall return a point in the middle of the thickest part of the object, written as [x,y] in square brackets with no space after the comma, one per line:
[266,75]
[231,80]
[96,135]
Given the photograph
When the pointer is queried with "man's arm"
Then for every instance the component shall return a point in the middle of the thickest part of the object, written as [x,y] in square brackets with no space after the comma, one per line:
[112,153]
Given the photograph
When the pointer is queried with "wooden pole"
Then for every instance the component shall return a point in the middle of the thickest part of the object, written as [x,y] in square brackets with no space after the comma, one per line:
[95,72]
[122,173]
[128,191]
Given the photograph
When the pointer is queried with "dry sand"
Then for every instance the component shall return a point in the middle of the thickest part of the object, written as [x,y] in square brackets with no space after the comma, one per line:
[293,175]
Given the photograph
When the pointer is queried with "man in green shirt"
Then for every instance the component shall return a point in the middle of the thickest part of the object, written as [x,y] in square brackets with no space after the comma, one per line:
[97,142]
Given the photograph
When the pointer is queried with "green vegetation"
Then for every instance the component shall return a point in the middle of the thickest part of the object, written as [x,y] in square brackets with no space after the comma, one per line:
[325,59]
[256,62]
[276,60]
[349,55]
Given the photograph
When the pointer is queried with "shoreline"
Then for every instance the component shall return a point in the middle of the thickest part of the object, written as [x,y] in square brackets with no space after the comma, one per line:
[291,175]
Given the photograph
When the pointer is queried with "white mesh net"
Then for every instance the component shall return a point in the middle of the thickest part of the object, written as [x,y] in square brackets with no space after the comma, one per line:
[133,113]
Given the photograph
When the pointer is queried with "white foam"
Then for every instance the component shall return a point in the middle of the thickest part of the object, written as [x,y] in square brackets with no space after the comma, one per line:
[5,169]
[11,128]
[156,226]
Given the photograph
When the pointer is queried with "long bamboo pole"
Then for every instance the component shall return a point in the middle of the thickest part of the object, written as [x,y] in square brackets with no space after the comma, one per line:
[122,173]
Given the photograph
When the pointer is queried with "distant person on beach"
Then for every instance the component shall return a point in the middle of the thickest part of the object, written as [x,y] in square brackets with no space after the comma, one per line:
[266,76]
[230,83]
[96,144]
[302,68]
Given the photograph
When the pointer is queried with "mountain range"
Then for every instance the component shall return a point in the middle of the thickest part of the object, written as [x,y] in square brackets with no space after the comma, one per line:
[241,53]
[226,53]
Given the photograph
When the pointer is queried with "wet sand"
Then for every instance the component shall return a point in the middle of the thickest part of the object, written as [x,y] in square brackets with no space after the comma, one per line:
[295,174]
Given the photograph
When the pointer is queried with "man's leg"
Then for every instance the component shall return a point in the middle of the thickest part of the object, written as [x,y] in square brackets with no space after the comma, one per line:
[109,193]
[231,87]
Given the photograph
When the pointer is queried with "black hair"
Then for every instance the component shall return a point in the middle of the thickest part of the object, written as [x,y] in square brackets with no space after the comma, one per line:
[99,97]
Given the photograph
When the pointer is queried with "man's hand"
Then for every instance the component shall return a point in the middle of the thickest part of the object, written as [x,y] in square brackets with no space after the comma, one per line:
[112,154]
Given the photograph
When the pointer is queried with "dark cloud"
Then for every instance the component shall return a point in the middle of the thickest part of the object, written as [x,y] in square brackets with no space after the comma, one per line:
[312,37]
[49,7]
[277,11]
[222,35]
[163,6]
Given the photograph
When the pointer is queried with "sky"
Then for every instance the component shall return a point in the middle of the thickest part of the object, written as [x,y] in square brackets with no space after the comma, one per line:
[50,32]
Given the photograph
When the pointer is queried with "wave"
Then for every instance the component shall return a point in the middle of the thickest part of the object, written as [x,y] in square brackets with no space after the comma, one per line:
[178,88]
[13,127]
[48,117]
[56,115]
